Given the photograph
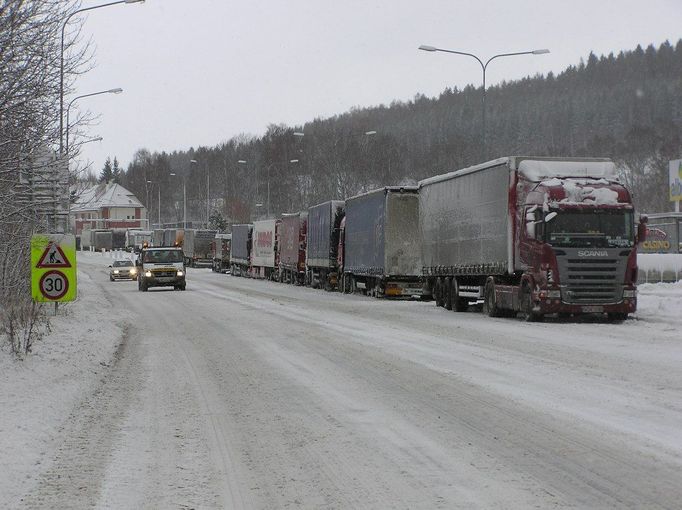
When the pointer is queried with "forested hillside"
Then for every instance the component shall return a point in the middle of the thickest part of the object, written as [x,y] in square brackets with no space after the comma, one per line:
[626,106]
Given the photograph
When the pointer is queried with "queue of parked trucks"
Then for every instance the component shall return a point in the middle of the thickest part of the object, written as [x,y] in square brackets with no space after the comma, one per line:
[526,235]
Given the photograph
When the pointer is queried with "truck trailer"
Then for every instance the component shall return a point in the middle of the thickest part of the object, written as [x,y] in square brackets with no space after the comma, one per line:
[173,237]
[531,235]
[264,262]
[220,248]
[379,250]
[240,252]
[137,239]
[196,246]
[292,245]
[324,225]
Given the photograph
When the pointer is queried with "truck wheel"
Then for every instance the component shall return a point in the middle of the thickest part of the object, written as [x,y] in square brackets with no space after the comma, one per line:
[527,306]
[183,286]
[459,304]
[489,299]
[447,293]
[143,287]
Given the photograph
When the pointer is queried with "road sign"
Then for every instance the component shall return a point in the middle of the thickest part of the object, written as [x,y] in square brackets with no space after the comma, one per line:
[53,267]
[53,285]
[53,256]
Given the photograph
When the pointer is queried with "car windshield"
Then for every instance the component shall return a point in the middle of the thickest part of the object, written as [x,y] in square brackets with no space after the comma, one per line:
[162,256]
[123,263]
[602,229]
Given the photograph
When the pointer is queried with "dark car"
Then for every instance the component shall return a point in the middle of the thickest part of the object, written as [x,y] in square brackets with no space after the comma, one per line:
[122,270]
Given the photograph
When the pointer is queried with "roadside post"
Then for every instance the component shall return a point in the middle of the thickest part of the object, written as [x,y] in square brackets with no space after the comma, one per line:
[53,268]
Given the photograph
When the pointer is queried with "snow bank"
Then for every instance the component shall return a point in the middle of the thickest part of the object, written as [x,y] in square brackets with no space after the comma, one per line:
[38,394]
[660,261]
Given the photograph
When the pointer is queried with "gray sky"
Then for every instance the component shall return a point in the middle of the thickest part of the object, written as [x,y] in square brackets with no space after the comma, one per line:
[198,72]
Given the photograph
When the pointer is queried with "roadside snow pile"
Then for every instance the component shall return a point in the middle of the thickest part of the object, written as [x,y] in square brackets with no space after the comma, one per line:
[660,302]
[660,262]
[38,394]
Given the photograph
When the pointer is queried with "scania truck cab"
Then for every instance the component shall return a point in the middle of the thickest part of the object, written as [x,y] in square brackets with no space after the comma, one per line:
[161,267]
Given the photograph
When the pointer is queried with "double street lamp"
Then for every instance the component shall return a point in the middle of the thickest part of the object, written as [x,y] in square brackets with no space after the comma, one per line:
[184,194]
[267,203]
[484,67]
[68,109]
[61,63]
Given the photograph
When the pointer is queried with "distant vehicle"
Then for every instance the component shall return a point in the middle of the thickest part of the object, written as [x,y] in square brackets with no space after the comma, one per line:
[220,249]
[291,247]
[122,270]
[240,251]
[379,251]
[136,239]
[197,247]
[161,267]
[264,263]
[324,224]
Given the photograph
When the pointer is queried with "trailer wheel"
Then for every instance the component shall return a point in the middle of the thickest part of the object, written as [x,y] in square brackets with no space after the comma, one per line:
[438,292]
[459,304]
[489,299]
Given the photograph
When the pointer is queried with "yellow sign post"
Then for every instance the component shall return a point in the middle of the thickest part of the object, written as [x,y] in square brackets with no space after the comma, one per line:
[53,268]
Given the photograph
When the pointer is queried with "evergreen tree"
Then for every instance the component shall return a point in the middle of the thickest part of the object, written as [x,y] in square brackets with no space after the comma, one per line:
[107,173]
[116,172]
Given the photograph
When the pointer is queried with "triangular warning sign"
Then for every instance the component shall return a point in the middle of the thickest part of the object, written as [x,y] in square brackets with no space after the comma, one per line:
[53,256]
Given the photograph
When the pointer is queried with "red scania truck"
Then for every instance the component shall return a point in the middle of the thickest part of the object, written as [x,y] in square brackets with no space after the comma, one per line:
[531,235]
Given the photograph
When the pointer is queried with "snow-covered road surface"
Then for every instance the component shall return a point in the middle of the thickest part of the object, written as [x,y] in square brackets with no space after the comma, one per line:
[249,394]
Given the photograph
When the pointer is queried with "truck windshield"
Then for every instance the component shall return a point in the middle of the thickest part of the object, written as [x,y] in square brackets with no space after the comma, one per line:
[162,256]
[602,229]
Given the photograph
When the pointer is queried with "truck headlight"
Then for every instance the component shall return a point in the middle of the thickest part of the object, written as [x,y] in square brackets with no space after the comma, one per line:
[629,293]
[115,271]
[554,294]
[180,273]
[148,274]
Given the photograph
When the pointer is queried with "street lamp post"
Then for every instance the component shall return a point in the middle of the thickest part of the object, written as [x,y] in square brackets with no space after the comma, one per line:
[484,67]
[61,63]
[149,223]
[68,109]
[267,203]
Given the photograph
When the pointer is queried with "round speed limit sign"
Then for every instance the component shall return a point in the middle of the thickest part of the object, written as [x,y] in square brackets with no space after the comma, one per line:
[53,284]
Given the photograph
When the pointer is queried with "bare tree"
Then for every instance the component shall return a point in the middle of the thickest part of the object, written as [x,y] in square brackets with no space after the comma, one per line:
[30,58]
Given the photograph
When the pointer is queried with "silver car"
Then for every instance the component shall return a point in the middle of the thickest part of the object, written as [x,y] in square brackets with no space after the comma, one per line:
[122,270]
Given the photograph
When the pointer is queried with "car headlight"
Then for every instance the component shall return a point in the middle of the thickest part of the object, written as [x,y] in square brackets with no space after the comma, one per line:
[115,271]
[148,274]
[180,273]
[133,270]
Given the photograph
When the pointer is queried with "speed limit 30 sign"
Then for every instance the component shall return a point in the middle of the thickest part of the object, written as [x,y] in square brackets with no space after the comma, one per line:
[53,267]
[53,285]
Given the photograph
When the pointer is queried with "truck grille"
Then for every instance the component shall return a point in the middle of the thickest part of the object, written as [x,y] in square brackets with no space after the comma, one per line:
[591,280]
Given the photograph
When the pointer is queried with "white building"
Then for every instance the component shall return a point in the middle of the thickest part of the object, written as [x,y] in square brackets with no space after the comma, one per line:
[107,206]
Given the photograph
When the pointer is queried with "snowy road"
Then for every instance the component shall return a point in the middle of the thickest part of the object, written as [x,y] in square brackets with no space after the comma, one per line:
[249,394]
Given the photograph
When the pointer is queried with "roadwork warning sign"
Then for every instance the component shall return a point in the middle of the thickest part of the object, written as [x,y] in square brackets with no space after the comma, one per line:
[53,267]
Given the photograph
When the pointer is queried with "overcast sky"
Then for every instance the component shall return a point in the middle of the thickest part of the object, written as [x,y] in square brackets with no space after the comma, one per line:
[198,72]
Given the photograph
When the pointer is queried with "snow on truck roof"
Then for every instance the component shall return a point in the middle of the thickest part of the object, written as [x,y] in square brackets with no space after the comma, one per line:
[385,189]
[538,169]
